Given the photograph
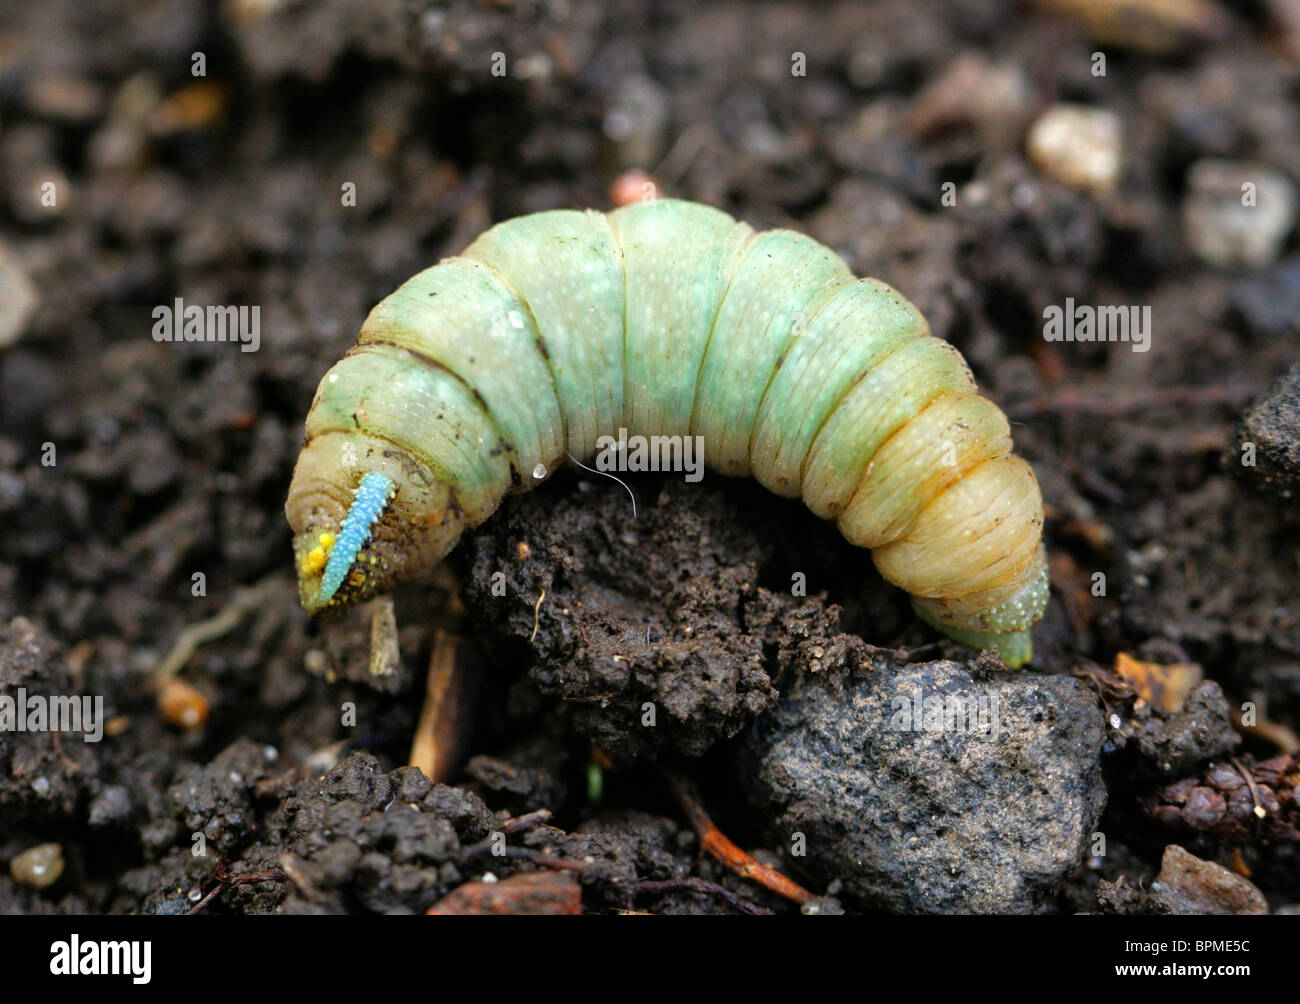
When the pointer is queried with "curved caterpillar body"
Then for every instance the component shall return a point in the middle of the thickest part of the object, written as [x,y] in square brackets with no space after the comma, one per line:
[479,375]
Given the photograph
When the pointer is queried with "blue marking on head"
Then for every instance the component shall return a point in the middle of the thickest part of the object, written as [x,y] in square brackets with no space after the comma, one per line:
[368,504]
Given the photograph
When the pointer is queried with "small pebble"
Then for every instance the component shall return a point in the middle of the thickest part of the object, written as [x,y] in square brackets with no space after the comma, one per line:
[182,704]
[1188,885]
[18,299]
[112,805]
[1237,214]
[38,867]
[1078,146]
[631,187]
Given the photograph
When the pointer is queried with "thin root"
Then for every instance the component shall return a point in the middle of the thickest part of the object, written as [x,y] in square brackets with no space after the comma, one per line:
[195,636]
[537,612]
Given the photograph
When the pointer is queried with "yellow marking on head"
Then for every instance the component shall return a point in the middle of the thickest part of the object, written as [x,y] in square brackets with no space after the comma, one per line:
[313,561]
[356,577]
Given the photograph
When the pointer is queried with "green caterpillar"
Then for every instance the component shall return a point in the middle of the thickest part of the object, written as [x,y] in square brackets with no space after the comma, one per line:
[479,375]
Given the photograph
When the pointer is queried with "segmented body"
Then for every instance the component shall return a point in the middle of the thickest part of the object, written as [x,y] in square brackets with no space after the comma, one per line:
[669,318]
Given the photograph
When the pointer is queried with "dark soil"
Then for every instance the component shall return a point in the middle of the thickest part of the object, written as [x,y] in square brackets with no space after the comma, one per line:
[142,483]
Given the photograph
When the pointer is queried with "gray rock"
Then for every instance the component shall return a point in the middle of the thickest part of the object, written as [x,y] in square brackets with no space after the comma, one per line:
[1272,427]
[925,790]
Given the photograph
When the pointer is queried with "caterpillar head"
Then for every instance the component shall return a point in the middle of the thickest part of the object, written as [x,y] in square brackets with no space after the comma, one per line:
[365,516]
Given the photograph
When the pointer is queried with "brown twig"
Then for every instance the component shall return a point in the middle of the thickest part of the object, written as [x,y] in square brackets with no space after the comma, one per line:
[527,821]
[1070,400]
[717,844]
[225,880]
[438,746]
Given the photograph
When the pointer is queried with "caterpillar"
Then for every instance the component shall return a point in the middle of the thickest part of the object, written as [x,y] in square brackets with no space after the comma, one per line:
[479,375]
